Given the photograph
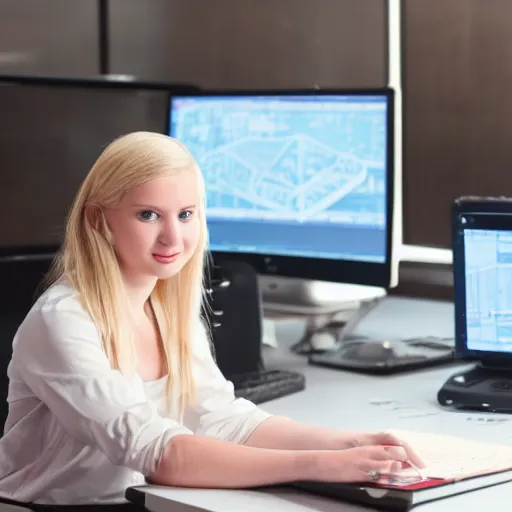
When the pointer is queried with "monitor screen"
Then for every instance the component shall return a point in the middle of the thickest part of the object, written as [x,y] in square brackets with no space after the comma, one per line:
[293,177]
[482,270]
[488,257]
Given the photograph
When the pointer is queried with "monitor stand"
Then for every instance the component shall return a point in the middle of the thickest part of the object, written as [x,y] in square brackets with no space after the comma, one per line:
[482,388]
[329,331]
[331,310]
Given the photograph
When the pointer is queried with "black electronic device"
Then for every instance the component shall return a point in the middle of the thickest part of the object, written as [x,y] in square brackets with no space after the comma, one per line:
[482,268]
[265,385]
[234,313]
[381,357]
[299,183]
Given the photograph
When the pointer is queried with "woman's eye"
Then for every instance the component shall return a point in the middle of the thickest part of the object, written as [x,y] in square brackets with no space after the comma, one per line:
[147,216]
[185,215]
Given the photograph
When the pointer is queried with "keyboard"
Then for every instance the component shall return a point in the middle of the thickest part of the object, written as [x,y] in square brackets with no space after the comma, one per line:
[265,385]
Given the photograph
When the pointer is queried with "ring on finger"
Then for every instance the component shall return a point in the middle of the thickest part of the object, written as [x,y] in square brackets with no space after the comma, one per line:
[373,475]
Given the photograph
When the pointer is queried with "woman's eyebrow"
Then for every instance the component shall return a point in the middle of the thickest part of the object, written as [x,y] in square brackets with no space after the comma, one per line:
[146,206]
[151,207]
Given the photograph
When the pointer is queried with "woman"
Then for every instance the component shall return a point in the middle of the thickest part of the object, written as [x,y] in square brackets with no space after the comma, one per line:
[112,380]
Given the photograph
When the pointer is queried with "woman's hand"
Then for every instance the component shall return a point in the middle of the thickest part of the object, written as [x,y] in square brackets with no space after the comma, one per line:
[350,440]
[360,464]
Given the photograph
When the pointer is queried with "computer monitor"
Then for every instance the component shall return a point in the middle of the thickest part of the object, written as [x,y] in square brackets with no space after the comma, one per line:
[300,183]
[482,267]
[483,279]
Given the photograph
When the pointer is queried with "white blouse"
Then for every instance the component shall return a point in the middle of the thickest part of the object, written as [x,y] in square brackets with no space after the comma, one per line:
[79,432]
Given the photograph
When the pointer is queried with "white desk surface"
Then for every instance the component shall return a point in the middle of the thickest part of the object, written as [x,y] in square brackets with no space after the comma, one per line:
[339,399]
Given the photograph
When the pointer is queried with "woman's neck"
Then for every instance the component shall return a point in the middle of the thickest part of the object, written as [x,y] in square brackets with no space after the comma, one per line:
[138,293]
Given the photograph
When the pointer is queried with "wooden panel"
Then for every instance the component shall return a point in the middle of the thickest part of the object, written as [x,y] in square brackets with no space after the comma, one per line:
[458,113]
[489,118]
[254,43]
[53,37]
[437,93]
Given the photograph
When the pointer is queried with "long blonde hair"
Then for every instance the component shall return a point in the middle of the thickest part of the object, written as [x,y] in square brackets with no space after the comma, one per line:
[88,261]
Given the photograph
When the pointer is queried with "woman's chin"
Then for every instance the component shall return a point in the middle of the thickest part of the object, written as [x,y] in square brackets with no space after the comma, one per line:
[167,271]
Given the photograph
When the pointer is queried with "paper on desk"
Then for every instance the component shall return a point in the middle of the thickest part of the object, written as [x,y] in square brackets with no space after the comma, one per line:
[402,409]
[454,458]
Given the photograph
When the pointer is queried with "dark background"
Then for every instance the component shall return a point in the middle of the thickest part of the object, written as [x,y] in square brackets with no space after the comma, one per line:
[457,75]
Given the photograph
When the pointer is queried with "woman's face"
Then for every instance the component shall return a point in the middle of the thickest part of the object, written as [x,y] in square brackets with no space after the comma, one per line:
[156,226]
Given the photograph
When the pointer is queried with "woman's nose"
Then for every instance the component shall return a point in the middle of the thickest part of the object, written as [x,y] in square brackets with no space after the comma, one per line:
[170,234]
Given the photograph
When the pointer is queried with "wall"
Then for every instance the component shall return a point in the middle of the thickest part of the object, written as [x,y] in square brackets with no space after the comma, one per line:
[457,107]
[52,37]
[457,70]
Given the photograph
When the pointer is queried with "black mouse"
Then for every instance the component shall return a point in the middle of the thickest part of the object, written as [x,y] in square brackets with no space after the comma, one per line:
[370,350]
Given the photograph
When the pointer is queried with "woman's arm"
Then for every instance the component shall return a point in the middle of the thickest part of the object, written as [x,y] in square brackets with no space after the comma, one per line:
[237,444]
[196,461]
[285,434]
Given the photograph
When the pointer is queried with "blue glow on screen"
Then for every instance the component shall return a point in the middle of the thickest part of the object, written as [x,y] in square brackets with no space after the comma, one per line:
[291,175]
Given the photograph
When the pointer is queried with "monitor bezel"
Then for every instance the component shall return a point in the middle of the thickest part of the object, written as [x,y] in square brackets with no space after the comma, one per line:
[322,269]
[475,213]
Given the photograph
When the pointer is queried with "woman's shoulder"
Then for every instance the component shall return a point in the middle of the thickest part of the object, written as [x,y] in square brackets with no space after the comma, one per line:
[59,299]
[57,313]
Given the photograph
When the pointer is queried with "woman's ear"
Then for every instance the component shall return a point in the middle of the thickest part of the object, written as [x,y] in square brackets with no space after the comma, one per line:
[98,222]
[92,214]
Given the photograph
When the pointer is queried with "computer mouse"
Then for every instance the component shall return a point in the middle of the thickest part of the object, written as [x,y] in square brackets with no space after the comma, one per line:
[323,340]
[370,350]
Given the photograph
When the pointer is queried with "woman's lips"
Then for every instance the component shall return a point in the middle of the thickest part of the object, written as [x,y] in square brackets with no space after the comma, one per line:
[166,258]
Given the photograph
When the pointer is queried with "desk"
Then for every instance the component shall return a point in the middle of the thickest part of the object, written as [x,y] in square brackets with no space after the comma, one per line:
[346,400]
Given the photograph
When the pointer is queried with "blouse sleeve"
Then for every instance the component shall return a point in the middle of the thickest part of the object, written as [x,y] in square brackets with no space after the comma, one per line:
[59,355]
[217,412]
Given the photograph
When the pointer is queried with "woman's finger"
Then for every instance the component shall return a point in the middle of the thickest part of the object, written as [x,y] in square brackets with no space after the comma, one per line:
[385,453]
[385,438]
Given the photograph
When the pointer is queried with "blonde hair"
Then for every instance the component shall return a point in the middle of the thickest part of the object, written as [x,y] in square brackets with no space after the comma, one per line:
[88,261]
